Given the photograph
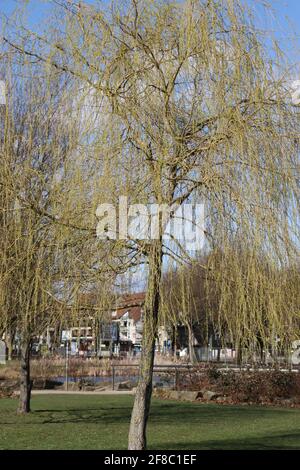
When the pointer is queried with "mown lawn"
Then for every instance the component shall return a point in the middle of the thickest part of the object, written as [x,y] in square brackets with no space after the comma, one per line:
[101,422]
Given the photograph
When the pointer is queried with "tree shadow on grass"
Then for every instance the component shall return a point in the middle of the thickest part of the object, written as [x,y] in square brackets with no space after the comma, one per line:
[170,413]
[263,442]
[80,410]
[166,413]
[208,412]
[190,420]
[96,415]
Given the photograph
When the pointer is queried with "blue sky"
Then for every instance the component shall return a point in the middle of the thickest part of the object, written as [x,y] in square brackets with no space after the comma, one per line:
[283,20]
[283,28]
[38,9]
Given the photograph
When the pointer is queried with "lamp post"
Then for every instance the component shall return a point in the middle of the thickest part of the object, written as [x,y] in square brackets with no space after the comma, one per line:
[67,364]
[66,337]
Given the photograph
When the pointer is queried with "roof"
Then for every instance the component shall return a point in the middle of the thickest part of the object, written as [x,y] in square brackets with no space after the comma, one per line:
[131,304]
[134,299]
[134,313]
[93,298]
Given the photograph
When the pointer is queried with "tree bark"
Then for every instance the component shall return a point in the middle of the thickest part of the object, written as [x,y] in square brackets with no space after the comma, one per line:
[26,383]
[174,343]
[239,356]
[192,355]
[9,350]
[141,407]
[9,342]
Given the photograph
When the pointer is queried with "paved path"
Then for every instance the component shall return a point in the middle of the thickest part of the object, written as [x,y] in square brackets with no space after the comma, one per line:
[79,392]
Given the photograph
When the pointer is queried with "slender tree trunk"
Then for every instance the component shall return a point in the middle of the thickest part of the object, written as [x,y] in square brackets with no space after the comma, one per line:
[141,407]
[26,384]
[9,341]
[9,350]
[174,343]
[192,355]
[261,350]
[239,356]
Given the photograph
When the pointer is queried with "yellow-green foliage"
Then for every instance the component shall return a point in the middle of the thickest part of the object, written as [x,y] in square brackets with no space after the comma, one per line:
[189,102]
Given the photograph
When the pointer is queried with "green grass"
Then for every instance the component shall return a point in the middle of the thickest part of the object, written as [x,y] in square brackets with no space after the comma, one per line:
[101,422]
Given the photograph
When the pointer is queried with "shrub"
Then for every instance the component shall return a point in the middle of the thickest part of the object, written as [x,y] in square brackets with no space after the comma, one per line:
[246,385]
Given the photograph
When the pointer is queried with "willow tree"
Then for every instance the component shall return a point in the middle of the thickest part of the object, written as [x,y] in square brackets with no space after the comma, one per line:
[46,257]
[198,107]
[33,148]
[258,300]
[216,293]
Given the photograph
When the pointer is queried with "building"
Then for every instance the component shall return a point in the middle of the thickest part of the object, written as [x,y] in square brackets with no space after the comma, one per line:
[129,318]
[120,335]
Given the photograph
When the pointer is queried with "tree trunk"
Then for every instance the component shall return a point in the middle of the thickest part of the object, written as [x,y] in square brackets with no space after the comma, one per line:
[174,350]
[9,339]
[239,356]
[9,350]
[26,384]
[192,355]
[141,407]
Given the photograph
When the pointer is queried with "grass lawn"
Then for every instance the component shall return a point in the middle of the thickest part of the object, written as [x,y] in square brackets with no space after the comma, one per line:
[101,422]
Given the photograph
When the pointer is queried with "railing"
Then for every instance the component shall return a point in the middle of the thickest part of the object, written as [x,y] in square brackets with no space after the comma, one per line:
[175,369]
[165,369]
